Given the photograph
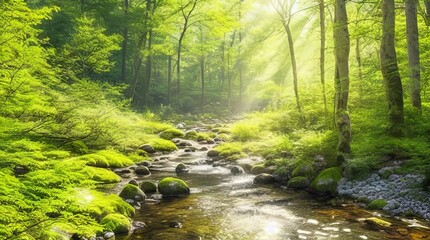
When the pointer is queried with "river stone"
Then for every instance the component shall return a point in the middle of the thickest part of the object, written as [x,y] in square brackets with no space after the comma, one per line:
[148,187]
[175,224]
[304,169]
[20,170]
[260,168]
[117,223]
[132,192]
[173,187]
[147,148]
[133,182]
[264,178]
[213,153]
[298,182]
[182,168]
[109,235]
[142,170]
[192,135]
[326,181]
[144,163]
[237,170]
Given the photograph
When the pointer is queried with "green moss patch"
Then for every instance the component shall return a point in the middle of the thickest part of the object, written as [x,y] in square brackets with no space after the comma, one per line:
[163,145]
[230,151]
[107,158]
[173,187]
[132,192]
[377,204]
[326,181]
[116,223]
[101,175]
[171,133]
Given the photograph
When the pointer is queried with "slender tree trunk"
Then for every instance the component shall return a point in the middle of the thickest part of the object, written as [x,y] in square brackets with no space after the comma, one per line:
[322,53]
[359,64]
[222,78]
[202,77]
[228,79]
[413,51]
[169,79]
[427,11]
[148,71]
[390,71]
[341,50]
[239,56]
[124,43]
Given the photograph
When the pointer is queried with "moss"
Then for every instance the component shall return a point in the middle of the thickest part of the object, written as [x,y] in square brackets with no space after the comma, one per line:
[171,133]
[230,151]
[148,187]
[192,135]
[298,182]
[116,223]
[57,154]
[95,160]
[326,181]
[257,169]
[101,175]
[304,169]
[173,187]
[101,204]
[377,204]
[163,145]
[132,192]
[115,159]
[78,147]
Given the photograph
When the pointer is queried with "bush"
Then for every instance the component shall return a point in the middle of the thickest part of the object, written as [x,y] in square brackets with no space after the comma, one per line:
[245,131]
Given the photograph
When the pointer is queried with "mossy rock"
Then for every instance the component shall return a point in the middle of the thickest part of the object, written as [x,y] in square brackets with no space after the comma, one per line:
[171,133]
[102,204]
[117,223]
[132,192]
[107,158]
[101,175]
[213,153]
[148,187]
[261,168]
[163,145]
[377,204]
[191,135]
[173,187]
[182,168]
[142,170]
[95,160]
[264,178]
[326,181]
[298,182]
[304,169]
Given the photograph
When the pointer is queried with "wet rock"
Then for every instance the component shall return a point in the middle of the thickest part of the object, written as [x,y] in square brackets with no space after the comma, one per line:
[144,163]
[139,224]
[133,182]
[237,170]
[264,178]
[260,168]
[298,182]
[282,178]
[173,187]
[142,170]
[20,170]
[109,235]
[210,141]
[132,192]
[183,144]
[147,148]
[213,153]
[125,171]
[181,125]
[175,224]
[182,168]
[304,169]
[203,149]
[148,187]
[326,181]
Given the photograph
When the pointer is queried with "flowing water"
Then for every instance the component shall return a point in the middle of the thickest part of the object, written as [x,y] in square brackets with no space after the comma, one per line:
[226,206]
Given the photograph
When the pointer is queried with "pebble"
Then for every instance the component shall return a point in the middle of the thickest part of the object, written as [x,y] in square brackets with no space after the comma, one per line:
[403,193]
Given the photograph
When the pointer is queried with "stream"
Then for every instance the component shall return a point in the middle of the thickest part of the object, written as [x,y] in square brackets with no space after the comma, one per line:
[227,206]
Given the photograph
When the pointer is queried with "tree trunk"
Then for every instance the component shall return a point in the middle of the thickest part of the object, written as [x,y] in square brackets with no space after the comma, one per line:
[427,12]
[341,50]
[322,52]
[413,51]
[359,64]
[169,79]
[148,70]
[124,43]
[390,71]
[202,77]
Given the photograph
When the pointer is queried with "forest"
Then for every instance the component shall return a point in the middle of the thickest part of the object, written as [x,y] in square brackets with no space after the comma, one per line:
[101,98]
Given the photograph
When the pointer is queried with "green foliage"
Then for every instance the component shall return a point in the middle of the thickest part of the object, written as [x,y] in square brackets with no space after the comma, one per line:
[326,181]
[303,169]
[377,204]
[101,175]
[245,131]
[308,144]
[171,133]
[163,145]
[107,158]
[116,223]
[230,151]
[78,147]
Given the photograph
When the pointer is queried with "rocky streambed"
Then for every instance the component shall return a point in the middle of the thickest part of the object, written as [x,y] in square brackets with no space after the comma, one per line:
[227,202]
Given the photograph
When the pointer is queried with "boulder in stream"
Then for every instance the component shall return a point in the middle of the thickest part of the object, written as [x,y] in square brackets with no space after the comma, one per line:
[192,135]
[326,181]
[213,153]
[148,187]
[182,168]
[298,182]
[142,170]
[237,170]
[132,192]
[147,148]
[170,187]
[116,223]
[264,178]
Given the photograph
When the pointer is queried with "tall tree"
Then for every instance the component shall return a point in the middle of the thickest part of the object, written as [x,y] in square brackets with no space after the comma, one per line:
[124,43]
[284,9]
[322,51]
[413,51]
[341,51]
[390,70]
